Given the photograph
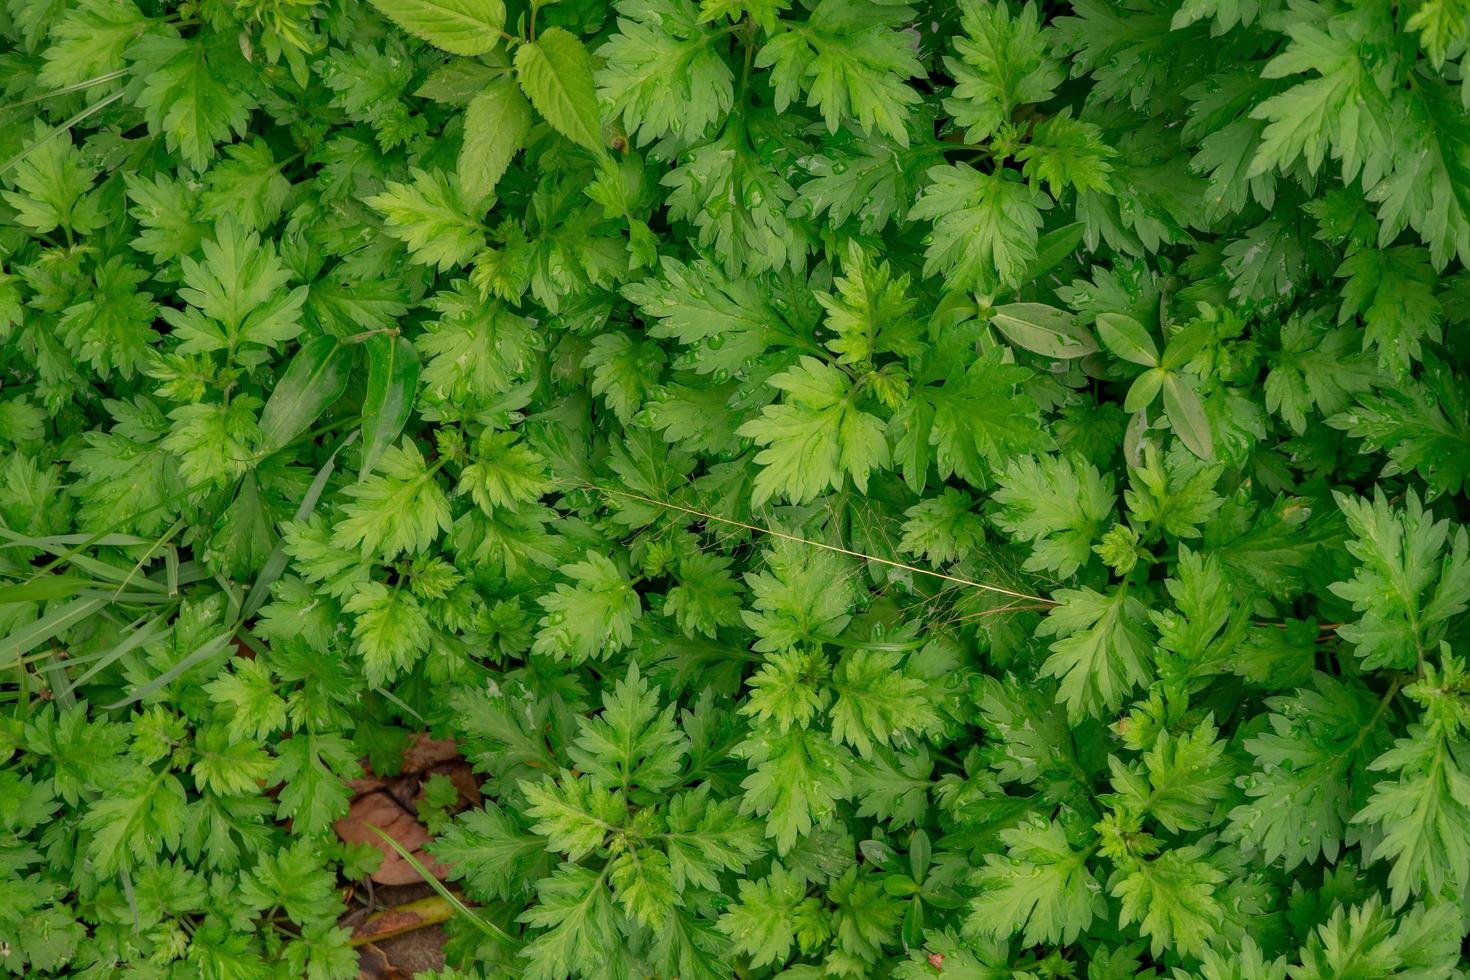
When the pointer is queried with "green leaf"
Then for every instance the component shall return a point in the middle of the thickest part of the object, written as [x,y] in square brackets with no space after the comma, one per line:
[1407,585]
[1368,937]
[1187,776]
[1172,898]
[1066,153]
[1391,290]
[1423,425]
[432,216]
[1040,887]
[392,382]
[402,509]
[632,743]
[706,837]
[315,378]
[663,71]
[978,419]
[1187,415]
[136,822]
[1127,338]
[491,854]
[800,594]
[192,92]
[850,64]
[797,781]
[1315,368]
[593,618]
[495,127]
[466,27]
[1312,117]
[985,227]
[876,702]
[1102,650]
[1003,63]
[1423,813]
[391,630]
[576,912]
[1043,329]
[769,917]
[574,814]
[1061,505]
[314,768]
[871,312]
[816,437]
[555,72]
[1144,390]
[236,296]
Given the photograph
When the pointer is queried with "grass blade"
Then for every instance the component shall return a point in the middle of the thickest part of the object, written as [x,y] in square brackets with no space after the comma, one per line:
[24,638]
[152,630]
[203,652]
[60,128]
[275,564]
[488,928]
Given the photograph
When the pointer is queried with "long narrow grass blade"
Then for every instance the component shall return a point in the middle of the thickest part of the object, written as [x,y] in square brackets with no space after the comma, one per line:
[488,928]
[46,589]
[60,128]
[50,541]
[154,629]
[32,634]
[203,652]
[69,89]
[152,550]
[62,688]
[400,704]
[704,515]
[57,545]
[275,564]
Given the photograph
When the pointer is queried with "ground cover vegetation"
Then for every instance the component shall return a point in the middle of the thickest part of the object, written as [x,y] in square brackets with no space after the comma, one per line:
[875,489]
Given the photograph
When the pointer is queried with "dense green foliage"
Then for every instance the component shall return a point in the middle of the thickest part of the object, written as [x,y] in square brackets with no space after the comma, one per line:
[876,489]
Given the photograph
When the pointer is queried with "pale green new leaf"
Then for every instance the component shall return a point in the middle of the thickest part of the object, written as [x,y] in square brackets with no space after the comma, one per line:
[1061,505]
[592,618]
[816,437]
[467,27]
[555,72]
[1173,898]
[985,227]
[1413,577]
[1102,650]
[400,508]
[495,126]
[1041,887]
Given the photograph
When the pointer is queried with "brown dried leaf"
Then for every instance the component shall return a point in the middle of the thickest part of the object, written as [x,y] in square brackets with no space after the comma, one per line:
[382,811]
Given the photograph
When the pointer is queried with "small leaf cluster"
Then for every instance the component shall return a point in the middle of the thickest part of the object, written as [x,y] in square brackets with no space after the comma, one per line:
[874,488]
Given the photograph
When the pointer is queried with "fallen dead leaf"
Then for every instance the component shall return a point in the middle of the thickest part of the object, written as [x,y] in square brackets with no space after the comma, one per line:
[426,752]
[372,964]
[384,812]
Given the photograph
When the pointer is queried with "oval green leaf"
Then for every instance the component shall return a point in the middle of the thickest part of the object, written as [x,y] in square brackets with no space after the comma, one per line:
[555,72]
[1187,415]
[316,377]
[392,381]
[1144,390]
[467,27]
[1127,338]
[1053,247]
[1043,329]
[1187,343]
[495,126]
